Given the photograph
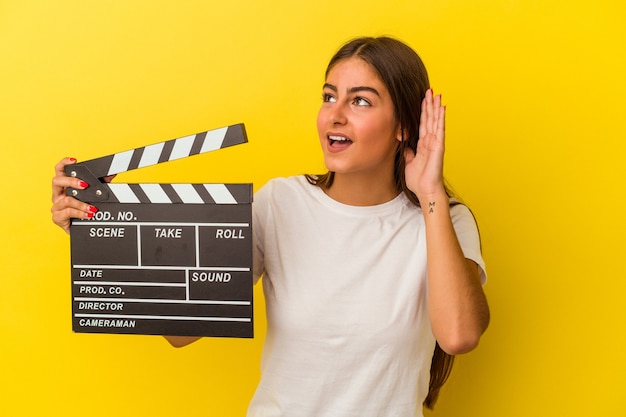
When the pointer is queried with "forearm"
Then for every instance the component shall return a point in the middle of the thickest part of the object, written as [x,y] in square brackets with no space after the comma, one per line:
[180,341]
[457,305]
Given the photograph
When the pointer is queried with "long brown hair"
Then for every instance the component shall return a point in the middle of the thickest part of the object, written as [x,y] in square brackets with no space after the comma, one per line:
[405,76]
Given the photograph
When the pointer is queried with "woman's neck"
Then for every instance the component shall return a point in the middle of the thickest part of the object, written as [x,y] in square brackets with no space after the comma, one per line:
[358,190]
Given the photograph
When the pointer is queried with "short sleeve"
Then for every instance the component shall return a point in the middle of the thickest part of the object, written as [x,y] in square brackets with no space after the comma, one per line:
[469,238]
[260,211]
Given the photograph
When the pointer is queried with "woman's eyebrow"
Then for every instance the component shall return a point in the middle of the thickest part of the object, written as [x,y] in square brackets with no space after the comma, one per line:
[353,89]
[363,88]
[330,87]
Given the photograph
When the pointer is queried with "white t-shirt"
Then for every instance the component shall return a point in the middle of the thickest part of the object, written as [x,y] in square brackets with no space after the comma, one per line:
[345,289]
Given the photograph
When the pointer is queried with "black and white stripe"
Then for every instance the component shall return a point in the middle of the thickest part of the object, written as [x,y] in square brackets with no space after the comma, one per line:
[167,151]
[181,193]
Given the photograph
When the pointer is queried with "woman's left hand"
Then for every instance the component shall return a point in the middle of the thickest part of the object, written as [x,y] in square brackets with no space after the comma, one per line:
[424,169]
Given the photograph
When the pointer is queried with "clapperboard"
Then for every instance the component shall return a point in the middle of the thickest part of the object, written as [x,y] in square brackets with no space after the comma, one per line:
[167,259]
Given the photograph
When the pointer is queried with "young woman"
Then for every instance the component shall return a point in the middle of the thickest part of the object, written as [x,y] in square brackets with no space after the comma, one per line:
[372,275]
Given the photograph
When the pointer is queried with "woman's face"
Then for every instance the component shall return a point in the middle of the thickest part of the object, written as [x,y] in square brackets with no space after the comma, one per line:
[356,124]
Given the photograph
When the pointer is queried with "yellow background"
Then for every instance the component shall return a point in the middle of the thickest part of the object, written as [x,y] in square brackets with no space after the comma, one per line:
[536,139]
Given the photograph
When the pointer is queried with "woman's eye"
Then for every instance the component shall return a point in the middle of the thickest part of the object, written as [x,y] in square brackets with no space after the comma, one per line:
[327,98]
[360,101]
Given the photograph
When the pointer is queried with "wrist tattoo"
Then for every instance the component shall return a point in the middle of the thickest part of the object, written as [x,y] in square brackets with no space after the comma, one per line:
[431,207]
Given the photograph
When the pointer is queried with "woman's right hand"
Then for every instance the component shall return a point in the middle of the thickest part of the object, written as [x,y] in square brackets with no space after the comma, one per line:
[65,207]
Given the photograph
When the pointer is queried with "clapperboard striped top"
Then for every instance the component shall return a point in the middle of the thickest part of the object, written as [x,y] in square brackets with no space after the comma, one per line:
[156,154]
[181,193]
[168,151]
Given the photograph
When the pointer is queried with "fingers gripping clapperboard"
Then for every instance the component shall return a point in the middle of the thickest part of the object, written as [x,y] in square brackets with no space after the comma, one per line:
[166,259]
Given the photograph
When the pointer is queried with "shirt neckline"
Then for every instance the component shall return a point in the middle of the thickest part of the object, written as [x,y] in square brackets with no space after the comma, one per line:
[392,205]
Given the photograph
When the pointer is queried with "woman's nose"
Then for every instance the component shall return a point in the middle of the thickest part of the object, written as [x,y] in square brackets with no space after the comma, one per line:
[338,115]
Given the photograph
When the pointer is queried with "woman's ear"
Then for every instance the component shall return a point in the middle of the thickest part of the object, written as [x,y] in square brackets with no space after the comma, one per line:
[399,133]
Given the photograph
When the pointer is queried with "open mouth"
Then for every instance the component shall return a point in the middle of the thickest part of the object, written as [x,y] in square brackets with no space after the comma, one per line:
[338,140]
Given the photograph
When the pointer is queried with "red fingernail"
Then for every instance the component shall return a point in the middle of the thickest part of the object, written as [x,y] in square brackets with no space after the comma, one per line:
[89,215]
[83,184]
[73,159]
[92,209]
